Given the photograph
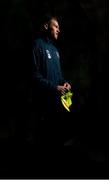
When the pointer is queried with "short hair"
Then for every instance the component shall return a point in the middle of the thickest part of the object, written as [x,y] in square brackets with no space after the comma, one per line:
[47,17]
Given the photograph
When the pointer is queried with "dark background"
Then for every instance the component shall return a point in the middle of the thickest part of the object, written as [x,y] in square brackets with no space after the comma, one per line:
[83,45]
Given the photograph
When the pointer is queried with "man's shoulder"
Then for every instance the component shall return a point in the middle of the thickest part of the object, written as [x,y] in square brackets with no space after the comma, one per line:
[39,42]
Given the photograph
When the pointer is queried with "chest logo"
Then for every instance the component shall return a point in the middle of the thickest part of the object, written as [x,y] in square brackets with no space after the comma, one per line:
[48,54]
[57,54]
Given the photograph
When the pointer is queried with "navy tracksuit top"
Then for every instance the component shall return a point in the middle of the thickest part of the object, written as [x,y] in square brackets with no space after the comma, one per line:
[46,63]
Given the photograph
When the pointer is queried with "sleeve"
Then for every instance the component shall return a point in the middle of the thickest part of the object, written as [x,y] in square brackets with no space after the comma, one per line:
[62,79]
[36,70]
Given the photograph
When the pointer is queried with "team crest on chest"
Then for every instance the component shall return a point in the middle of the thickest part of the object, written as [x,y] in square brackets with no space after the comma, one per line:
[48,54]
[57,54]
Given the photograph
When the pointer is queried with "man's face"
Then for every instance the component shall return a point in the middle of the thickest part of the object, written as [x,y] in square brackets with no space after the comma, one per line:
[53,28]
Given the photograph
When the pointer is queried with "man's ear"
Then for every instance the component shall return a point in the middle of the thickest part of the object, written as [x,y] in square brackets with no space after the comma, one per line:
[46,26]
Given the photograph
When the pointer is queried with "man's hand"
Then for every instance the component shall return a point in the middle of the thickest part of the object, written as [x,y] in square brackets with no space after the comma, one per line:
[67,86]
[61,89]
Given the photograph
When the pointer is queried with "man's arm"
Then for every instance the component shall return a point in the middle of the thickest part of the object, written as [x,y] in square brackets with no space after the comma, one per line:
[37,76]
[64,82]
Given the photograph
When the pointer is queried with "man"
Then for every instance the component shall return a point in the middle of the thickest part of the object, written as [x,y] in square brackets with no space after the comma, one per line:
[48,83]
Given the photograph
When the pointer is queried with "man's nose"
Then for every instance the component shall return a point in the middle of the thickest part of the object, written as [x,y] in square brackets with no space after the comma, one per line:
[58,30]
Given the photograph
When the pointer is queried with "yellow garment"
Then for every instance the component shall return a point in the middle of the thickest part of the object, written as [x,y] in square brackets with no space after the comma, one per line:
[66,100]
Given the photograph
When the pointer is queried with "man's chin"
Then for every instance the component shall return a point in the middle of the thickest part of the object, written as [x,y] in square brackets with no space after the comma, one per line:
[56,37]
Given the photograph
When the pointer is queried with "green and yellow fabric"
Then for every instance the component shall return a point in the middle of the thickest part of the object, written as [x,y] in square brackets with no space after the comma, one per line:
[66,100]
